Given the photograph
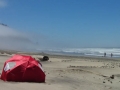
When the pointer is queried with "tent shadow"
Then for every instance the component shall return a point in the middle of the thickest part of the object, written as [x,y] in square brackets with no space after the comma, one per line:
[17,82]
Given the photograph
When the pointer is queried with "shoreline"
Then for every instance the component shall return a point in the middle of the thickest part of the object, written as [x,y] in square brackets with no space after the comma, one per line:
[12,52]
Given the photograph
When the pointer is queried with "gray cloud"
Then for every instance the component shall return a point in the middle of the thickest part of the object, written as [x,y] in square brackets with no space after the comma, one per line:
[17,40]
[13,39]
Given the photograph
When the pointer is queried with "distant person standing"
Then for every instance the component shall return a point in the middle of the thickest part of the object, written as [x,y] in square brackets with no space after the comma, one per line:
[104,54]
[111,54]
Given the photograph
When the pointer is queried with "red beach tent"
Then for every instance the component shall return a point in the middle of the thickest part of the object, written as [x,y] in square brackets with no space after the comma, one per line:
[22,68]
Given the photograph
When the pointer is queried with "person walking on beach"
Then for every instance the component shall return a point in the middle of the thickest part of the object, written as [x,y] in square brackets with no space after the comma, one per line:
[104,54]
[111,54]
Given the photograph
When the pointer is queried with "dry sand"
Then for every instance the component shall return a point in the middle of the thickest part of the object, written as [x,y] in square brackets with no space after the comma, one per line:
[72,73]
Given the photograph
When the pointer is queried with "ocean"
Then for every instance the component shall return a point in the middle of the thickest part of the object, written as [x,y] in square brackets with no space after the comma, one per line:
[99,52]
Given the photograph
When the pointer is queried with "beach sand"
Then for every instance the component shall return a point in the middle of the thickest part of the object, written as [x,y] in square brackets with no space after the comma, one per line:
[71,73]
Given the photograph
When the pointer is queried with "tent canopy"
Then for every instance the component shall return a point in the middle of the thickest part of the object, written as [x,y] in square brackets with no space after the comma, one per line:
[23,68]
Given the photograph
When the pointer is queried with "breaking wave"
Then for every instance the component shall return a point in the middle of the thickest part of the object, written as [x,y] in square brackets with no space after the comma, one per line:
[87,51]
